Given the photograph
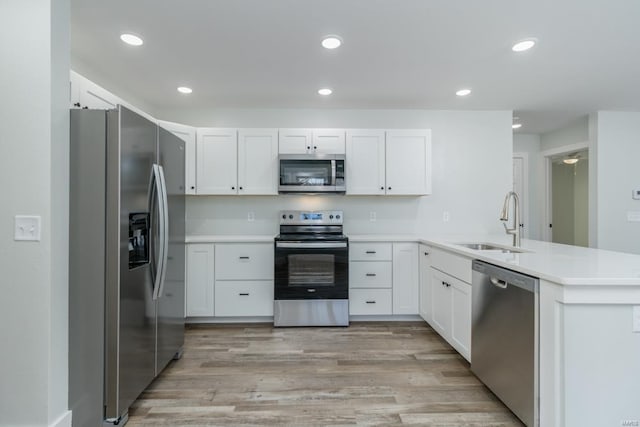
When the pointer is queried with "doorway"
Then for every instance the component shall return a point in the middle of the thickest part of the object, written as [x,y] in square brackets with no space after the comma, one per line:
[567,197]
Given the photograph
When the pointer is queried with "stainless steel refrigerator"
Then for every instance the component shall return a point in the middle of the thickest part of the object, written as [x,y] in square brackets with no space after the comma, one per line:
[126,267]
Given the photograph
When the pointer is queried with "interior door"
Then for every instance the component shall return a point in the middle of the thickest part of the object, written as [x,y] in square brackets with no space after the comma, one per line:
[170,302]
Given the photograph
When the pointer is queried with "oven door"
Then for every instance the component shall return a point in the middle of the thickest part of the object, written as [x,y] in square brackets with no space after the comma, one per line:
[311,270]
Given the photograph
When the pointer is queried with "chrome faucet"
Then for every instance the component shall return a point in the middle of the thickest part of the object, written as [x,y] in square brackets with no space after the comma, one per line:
[504,216]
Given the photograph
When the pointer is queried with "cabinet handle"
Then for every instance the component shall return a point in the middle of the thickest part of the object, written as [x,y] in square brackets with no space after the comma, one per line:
[371,302]
[244,257]
[311,290]
[446,284]
[389,188]
[193,187]
[243,294]
[371,252]
[308,147]
[315,147]
[426,253]
[382,188]
[233,188]
[371,274]
[240,188]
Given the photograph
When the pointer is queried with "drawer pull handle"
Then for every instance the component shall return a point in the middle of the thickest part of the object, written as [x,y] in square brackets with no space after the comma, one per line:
[371,252]
[371,274]
[244,257]
[426,253]
[446,284]
[371,302]
[244,294]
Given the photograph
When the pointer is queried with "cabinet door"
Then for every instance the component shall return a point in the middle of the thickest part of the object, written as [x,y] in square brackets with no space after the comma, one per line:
[440,303]
[217,159]
[90,95]
[328,141]
[461,317]
[294,141]
[405,278]
[425,282]
[365,162]
[408,165]
[257,161]
[200,280]
[188,135]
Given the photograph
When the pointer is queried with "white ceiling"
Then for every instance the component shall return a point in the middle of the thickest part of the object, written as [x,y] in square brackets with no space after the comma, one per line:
[396,54]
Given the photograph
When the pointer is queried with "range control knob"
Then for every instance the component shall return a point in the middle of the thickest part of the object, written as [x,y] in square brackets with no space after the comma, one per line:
[290,216]
[330,216]
[337,216]
[284,217]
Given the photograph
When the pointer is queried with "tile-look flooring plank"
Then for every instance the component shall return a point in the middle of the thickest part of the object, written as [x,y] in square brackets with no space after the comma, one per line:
[369,374]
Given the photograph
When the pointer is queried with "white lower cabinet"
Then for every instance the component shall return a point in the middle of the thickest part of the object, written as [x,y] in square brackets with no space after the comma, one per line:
[405,278]
[229,279]
[370,301]
[424,306]
[244,298]
[450,310]
[199,280]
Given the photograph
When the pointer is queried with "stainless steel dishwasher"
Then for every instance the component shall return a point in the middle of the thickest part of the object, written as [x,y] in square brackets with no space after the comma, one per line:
[504,337]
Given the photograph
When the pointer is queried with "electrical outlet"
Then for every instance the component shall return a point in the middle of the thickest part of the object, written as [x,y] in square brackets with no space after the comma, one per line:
[446,216]
[251,216]
[372,216]
[636,318]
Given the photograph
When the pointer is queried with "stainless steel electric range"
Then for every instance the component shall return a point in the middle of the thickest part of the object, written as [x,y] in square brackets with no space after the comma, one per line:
[311,270]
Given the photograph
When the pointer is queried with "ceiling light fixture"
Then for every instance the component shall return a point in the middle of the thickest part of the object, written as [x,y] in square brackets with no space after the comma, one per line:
[325,91]
[516,125]
[331,42]
[185,90]
[570,161]
[131,39]
[523,45]
[463,92]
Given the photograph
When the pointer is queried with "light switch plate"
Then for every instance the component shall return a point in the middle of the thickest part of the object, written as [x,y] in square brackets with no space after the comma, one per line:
[27,227]
[636,318]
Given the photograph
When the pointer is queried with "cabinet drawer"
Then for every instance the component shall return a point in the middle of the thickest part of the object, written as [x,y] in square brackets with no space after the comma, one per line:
[370,252]
[369,301]
[370,274]
[244,298]
[244,261]
[452,264]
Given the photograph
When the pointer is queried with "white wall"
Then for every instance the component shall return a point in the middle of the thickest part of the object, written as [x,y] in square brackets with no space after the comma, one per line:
[530,144]
[618,171]
[575,132]
[471,174]
[33,169]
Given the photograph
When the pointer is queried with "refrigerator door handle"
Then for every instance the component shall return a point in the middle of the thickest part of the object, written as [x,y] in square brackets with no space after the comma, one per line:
[164,230]
[155,193]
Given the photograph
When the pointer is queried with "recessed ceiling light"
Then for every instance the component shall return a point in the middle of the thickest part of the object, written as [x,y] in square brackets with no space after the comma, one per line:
[184,89]
[523,45]
[331,42]
[516,125]
[463,92]
[325,91]
[131,39]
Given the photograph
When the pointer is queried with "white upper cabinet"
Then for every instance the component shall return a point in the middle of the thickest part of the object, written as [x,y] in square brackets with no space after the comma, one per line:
[257,161]
[188,135]
[294,141]
[328,141]
[311,141]
[217,161]
[408,162]
[365,162]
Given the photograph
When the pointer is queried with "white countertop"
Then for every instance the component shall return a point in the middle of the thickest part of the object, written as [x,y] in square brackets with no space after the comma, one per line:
[230,238]
[563,264]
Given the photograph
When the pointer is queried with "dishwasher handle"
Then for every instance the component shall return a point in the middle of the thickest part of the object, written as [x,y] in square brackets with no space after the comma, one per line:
[502,284]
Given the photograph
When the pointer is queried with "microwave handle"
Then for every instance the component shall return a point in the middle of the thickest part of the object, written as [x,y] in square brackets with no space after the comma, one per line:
[333,173]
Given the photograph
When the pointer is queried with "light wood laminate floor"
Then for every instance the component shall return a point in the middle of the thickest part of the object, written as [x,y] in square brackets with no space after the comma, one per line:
[369,374]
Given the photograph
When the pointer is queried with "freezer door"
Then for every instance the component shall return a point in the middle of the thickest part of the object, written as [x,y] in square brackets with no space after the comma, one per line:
[171,299]
[131,239]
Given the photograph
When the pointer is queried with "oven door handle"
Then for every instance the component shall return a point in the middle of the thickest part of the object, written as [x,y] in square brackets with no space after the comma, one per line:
[313,245]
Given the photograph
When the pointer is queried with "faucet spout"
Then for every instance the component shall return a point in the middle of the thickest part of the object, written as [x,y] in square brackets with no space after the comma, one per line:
[504,216]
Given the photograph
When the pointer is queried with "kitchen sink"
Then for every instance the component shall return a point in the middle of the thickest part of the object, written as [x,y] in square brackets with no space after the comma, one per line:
[491,247]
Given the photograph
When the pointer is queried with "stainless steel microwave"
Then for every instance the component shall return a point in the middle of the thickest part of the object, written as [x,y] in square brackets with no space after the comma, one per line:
[312,173]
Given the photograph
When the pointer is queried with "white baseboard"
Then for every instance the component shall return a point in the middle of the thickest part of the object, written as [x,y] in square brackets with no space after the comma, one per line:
[63,421]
